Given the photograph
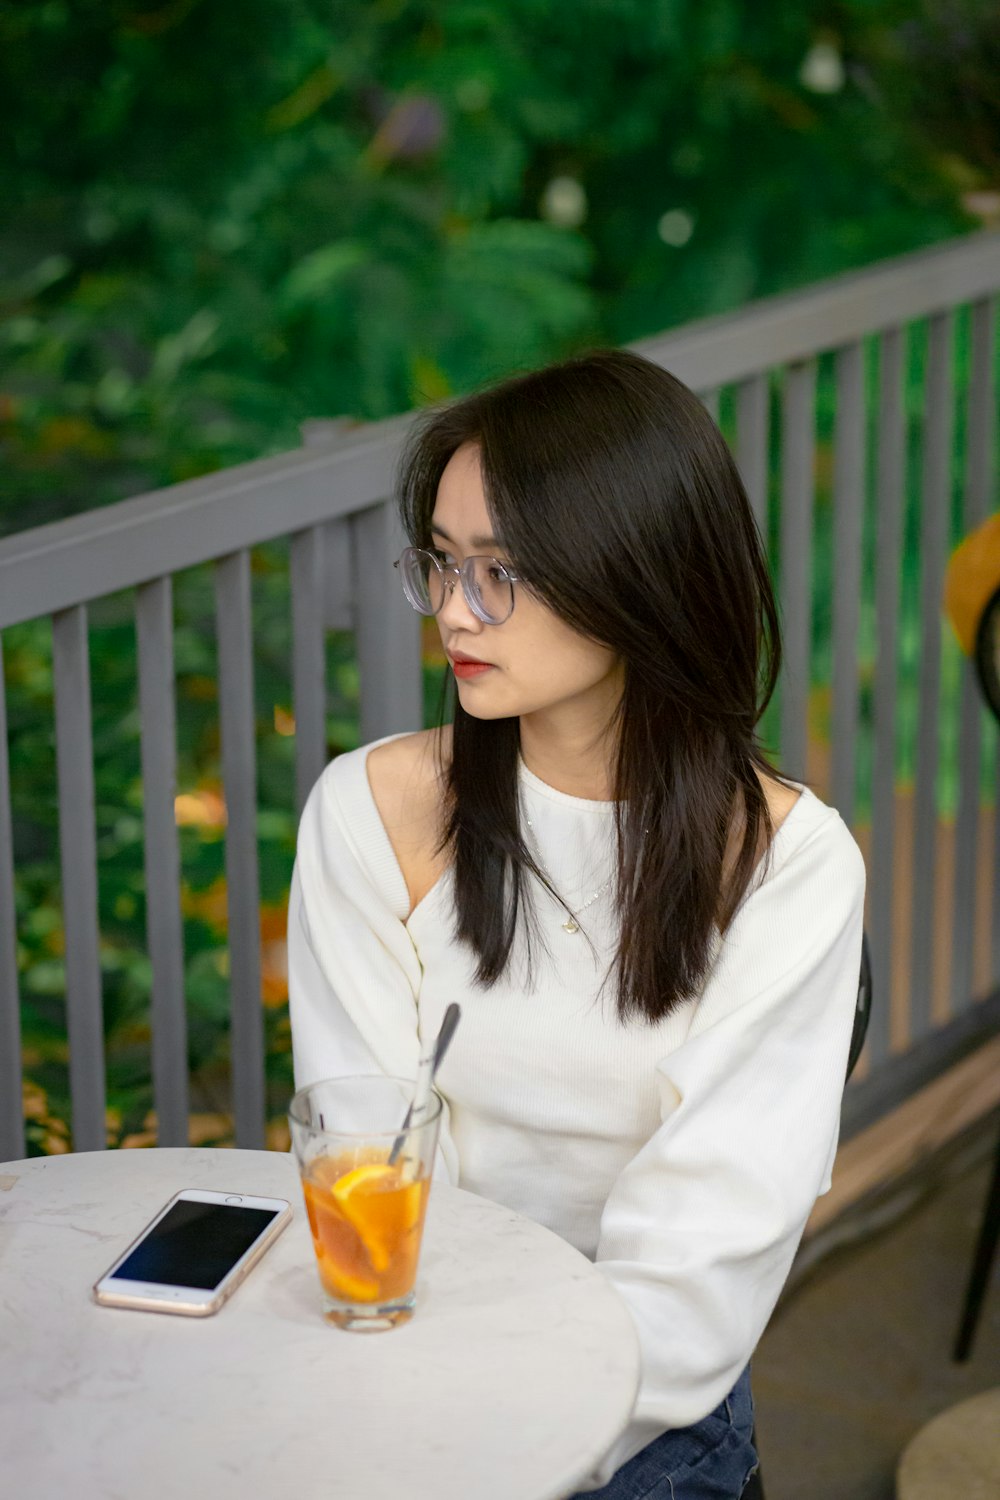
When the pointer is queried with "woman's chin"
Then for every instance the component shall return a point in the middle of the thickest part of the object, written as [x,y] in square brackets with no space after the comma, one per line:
[483,705]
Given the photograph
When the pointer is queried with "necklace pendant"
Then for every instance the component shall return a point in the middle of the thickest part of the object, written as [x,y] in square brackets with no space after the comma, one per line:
[570,926]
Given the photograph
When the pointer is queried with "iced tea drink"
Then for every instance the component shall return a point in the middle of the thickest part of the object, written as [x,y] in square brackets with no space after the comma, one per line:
[366,1221]
[365,1193]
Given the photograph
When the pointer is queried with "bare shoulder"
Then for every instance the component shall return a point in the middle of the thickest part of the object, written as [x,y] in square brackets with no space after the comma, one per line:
[408,766]
[406,780]
[780,799]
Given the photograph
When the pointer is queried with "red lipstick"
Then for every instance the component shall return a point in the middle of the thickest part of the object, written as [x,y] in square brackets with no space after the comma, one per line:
[468,666]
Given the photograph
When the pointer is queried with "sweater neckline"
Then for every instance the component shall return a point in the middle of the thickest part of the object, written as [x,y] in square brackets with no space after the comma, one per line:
[591,805]
[564,799]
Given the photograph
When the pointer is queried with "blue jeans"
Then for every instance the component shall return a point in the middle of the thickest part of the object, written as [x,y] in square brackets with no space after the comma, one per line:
[712,1460]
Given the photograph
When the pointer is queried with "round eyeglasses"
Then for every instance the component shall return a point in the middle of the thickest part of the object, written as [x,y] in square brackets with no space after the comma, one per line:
[487,585]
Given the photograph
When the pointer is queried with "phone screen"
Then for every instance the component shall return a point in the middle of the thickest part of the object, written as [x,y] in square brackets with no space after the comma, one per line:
[195,1244]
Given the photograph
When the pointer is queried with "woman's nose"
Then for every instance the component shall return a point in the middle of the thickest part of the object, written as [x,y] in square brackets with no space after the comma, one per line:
[455,611]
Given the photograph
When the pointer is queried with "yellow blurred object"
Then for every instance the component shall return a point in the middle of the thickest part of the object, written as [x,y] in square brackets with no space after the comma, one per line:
[209,1129]
[203,808]
[274,954]
[210,905]
[971,580]
[277,1136]
[35,1104]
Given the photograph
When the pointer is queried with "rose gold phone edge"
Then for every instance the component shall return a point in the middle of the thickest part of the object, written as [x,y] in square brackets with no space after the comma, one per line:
[234,1278]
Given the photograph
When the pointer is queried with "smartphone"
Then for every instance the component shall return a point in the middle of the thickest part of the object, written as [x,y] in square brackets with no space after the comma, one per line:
[194,1254]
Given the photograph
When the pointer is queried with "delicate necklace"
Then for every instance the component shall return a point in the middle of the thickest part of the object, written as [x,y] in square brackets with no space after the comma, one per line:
[573,923]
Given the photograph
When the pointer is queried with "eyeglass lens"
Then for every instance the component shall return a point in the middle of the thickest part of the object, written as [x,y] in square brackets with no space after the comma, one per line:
[486,584]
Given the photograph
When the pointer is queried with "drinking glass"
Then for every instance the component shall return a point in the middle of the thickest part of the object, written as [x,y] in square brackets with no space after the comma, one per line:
[365,1179]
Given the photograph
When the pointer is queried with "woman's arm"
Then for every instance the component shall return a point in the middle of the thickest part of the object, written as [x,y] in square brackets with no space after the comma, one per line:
[700,1229]
[353,974]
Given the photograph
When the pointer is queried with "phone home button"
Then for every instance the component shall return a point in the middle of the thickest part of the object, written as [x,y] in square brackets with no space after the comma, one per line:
[234,1200]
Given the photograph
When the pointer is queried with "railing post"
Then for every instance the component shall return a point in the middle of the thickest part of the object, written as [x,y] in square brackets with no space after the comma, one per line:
[388,630]
[978,469]
[308,659]
[848,511]
[888,547]
[78,859]
[164,932]
[239,761]
[752,435]
[936,497]
[11,1108]
[798,429]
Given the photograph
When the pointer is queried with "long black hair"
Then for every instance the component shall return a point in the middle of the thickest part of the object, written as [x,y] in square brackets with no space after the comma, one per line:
[619,504]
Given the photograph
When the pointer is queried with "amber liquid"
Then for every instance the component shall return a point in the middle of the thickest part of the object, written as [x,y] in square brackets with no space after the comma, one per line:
[367,1234]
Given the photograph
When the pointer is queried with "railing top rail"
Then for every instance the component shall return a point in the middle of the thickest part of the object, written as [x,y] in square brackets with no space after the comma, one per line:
[797,325]
[97,553]
[124,544]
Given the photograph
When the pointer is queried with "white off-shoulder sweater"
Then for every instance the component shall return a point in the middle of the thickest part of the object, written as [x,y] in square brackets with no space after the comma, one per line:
[683,1157]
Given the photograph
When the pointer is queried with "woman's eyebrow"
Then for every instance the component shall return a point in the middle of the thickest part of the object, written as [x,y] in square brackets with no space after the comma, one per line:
[477,541]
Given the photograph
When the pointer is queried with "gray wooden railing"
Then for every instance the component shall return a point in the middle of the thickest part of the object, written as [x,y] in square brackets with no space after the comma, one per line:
[759,372]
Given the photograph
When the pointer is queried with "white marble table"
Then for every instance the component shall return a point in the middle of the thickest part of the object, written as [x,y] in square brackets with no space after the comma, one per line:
[514,1377]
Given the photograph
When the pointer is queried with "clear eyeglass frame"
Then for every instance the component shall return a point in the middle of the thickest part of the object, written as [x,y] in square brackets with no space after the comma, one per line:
[474,576]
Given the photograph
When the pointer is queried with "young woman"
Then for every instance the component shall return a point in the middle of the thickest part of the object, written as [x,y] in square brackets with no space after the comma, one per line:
[654,937]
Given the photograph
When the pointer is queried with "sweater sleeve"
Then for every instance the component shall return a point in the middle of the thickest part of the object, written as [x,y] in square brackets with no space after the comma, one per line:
[699,1230]
[353,973]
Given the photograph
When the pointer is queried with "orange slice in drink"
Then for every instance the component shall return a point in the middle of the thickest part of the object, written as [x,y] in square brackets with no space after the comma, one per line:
[381,1206]
[348,1287]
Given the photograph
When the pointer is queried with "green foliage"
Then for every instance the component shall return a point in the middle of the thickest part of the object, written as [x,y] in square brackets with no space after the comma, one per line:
[941,64]
[222,221]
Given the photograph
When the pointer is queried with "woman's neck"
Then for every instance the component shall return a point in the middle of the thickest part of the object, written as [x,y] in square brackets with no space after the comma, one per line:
[572,758]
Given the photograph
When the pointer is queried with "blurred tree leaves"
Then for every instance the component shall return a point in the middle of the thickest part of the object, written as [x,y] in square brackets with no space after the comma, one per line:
[220,221]
[940,67]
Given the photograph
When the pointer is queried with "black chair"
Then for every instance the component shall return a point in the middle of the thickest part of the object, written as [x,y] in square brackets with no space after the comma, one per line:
[755,1488]
[987,662]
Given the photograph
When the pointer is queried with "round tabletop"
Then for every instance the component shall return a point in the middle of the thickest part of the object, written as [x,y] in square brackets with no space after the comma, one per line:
[514,1377]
